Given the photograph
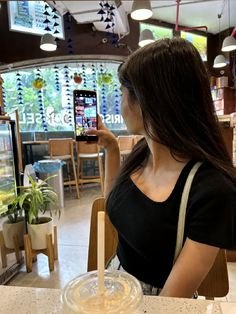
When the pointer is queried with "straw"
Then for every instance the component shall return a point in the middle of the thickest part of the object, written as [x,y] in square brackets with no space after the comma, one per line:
[101,251]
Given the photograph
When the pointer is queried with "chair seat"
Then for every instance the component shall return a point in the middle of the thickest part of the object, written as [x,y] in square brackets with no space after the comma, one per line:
[90,155]
[62,157]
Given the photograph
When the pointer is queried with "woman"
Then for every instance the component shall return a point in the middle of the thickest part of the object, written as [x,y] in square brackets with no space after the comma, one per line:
[166,97]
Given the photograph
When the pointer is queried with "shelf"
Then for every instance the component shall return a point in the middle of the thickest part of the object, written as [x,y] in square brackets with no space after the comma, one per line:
[5,152]
[224,118]
[4,158]
[214,87]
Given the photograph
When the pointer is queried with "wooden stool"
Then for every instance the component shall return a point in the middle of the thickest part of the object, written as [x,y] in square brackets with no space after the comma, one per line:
[51,251]
[89,151]
[63,149]
[5,251]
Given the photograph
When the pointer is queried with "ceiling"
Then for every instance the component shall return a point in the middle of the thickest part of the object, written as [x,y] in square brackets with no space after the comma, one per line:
[192,13]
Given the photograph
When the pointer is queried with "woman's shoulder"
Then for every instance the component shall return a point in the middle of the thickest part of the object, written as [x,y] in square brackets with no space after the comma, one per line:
[212,182]
[211,213]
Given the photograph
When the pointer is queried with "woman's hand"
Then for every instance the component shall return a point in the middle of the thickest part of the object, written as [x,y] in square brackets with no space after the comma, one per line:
[112,161]
[106,138]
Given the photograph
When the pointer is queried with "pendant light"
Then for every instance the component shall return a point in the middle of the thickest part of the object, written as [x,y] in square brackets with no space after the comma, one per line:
[219,61]
[48,42]
[141,10]
[229,42]
[146,37]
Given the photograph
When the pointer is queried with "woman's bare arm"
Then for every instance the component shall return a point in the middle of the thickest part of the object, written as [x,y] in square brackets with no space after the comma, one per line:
[191,267]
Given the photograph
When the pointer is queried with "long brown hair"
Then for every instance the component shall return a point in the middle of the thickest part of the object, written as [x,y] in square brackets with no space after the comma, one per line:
[170,83]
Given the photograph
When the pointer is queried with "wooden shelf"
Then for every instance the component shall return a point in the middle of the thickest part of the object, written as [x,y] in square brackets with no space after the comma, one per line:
[224,118]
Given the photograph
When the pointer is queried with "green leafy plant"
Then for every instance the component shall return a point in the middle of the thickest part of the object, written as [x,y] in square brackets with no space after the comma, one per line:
[36,198]
[14,213]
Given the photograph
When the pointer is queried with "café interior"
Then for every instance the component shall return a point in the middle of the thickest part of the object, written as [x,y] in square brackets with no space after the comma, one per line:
[48,50]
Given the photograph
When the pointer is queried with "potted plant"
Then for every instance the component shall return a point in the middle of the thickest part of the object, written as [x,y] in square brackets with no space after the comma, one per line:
[36,198]
[14,226]
[38,83]
[104,78]
[77,78]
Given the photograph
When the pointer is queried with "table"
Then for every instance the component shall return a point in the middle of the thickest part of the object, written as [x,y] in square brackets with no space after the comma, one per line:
[22,300]
[28,149]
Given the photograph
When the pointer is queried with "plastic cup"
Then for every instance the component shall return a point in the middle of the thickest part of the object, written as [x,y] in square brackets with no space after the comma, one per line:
[122,295]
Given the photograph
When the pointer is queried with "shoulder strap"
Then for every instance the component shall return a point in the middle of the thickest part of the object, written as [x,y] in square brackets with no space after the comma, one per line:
[182,209]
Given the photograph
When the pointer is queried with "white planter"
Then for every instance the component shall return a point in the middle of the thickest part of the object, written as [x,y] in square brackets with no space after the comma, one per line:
[39,232]
[13,229]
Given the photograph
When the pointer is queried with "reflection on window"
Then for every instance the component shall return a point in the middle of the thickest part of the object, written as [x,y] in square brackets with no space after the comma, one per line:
[158,31]
[199,42]
[47,93]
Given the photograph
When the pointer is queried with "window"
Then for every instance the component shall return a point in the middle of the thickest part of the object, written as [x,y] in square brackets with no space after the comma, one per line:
[199,42]
[50,108]
[158,31]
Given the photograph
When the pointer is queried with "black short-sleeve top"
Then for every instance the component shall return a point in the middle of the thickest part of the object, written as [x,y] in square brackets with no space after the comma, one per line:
[147,229]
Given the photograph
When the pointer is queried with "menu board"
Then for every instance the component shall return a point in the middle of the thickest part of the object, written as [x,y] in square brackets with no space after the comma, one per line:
[29,17]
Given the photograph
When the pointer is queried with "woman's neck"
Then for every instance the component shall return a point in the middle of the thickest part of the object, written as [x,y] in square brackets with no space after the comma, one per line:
[161,157]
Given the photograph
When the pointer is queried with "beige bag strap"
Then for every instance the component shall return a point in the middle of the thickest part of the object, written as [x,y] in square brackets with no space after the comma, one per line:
[182,209]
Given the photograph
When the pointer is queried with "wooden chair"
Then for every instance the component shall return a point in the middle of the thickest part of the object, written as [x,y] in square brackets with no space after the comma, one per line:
[110,236]
[63,149]
[137,138]
[89,152]
[125,143]
[216,283]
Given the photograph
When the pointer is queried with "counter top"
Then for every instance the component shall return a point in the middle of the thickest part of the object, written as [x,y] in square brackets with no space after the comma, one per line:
[22,300]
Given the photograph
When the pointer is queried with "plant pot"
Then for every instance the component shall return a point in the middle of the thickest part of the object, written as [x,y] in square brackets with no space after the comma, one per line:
[39,232]
[10,230]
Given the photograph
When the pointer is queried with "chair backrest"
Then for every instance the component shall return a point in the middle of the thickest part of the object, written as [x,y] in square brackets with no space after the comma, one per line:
[110,236]
[125,142]
[87,148]
[137,138]
[216,283]
[60,147]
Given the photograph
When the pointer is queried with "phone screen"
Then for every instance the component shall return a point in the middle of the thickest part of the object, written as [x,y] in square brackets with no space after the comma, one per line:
[85,112]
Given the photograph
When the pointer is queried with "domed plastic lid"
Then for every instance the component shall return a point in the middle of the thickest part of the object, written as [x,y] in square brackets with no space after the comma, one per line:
[122,294]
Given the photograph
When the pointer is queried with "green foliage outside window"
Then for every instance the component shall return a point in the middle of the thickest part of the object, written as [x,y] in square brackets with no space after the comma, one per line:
[55,102]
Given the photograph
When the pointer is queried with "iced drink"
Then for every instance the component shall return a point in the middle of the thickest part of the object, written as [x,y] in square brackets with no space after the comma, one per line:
[122,294]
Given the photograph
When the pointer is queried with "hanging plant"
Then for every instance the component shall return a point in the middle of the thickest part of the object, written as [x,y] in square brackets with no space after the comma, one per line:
[38,83]
[105,78]
[77,78]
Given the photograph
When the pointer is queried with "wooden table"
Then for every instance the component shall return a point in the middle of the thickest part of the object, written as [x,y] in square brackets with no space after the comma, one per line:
[22,300]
